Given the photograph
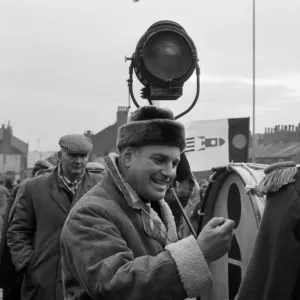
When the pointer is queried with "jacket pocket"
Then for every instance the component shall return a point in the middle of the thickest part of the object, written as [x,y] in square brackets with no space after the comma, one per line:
[29,264]
[46,251]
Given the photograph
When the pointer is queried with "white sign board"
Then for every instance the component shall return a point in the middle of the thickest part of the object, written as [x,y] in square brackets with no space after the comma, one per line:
[207,144]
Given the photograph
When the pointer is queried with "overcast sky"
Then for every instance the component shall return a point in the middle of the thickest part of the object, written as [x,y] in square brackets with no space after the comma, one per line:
[62,66]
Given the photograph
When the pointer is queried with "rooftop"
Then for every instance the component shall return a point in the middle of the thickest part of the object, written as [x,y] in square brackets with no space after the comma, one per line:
[15,142]
[278,150]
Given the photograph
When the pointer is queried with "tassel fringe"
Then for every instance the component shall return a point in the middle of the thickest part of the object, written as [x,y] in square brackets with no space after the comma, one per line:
[273,181]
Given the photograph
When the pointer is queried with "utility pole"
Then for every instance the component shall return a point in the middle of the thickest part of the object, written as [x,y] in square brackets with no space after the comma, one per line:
[253,85]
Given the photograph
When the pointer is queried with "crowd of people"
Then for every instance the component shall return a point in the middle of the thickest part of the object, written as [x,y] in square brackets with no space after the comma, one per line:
[79,231]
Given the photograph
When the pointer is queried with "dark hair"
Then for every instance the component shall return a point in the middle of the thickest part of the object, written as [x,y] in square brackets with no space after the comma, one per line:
[183,169]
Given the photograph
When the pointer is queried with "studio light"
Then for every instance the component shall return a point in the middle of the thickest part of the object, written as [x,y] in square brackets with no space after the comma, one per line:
[164,59]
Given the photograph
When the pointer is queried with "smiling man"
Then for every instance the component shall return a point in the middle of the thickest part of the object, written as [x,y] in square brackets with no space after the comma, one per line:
[142,168]
[120,241]
[42,205]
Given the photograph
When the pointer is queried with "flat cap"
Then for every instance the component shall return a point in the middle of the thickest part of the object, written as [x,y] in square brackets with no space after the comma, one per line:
[42,164]
[95,167]
[76,143]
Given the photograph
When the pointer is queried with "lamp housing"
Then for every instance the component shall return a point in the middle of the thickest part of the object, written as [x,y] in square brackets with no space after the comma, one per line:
[164,59]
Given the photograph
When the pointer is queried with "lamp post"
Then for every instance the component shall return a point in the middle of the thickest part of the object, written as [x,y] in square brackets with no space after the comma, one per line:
[253,84]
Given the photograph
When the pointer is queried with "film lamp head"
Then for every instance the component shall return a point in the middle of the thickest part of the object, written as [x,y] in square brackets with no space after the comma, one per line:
[165,57]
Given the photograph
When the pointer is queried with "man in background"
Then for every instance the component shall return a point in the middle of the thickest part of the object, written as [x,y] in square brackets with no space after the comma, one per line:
[4,196]
[195,217]
[43,205]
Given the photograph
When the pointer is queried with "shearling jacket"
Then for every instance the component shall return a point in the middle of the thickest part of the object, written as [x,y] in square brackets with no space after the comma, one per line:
[34,232]
[113,247]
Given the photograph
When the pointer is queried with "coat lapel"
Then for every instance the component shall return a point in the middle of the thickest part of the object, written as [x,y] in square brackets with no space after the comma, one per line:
[57,195]
[61,199]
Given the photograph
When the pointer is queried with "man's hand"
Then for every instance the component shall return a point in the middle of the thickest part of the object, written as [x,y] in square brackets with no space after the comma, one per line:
[215,238]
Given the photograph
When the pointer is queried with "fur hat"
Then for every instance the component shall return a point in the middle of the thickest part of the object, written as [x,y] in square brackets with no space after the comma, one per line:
[151,125]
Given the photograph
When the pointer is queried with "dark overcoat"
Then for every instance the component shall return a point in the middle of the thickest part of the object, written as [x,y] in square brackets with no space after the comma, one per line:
[273,272]
[8,277]
[34,233]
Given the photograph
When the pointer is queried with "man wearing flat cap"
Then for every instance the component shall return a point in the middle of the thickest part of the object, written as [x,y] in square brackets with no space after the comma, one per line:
[120,241]
[43,204]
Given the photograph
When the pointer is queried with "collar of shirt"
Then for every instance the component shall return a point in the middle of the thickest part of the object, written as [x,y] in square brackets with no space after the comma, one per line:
[72,186]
